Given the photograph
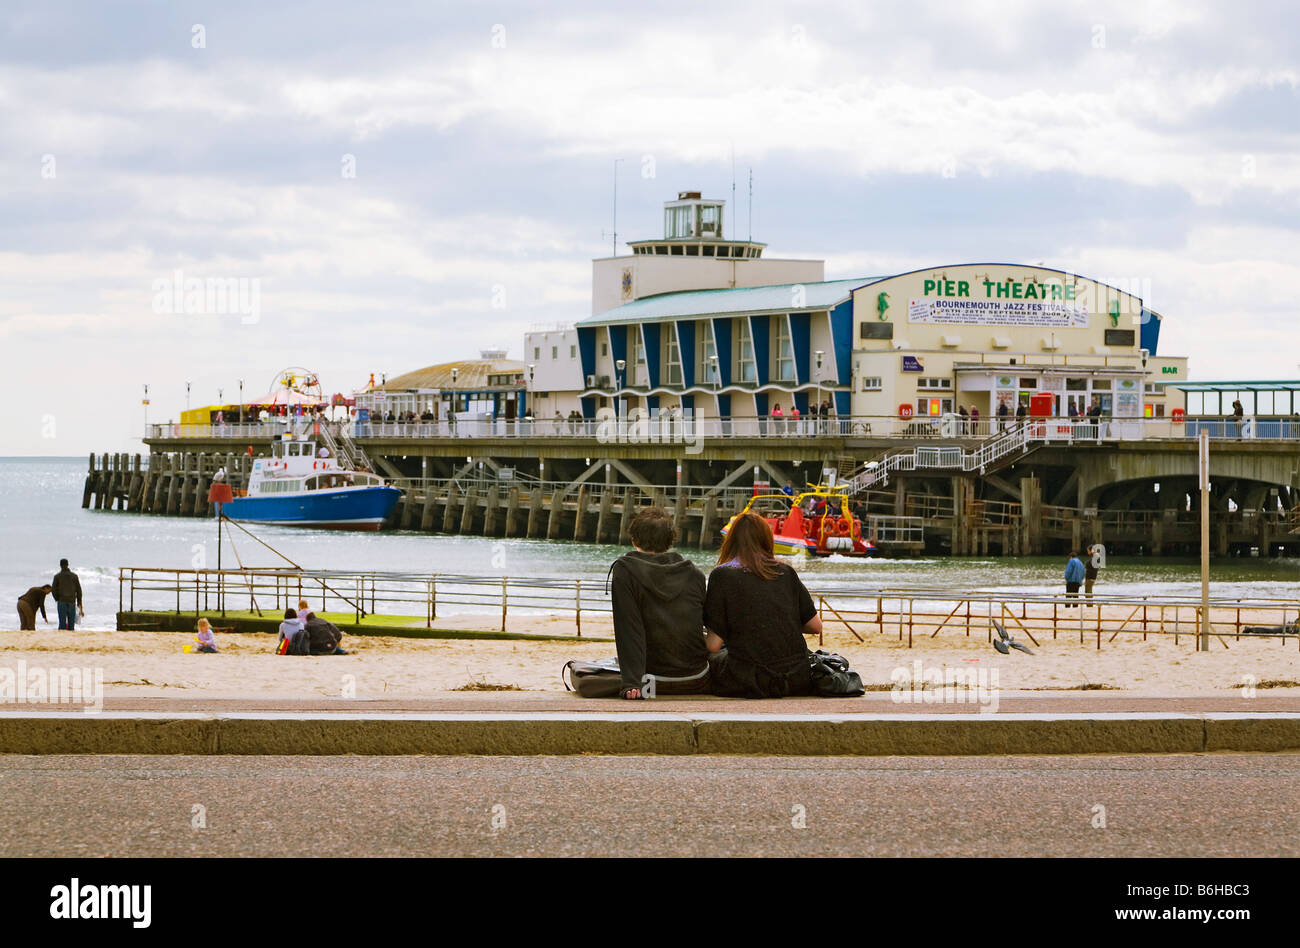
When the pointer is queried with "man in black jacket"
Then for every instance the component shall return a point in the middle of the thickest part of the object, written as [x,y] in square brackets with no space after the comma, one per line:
[66,588]
[658,613]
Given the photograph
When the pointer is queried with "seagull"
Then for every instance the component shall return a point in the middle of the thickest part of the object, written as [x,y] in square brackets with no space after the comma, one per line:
[1004,643]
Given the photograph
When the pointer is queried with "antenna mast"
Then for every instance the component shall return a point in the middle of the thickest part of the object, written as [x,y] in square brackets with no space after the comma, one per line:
[751,204]
[616,161]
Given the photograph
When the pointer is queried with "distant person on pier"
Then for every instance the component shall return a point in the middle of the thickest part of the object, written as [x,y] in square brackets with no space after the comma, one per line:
[758,612]
[1238,415]
[974,421]
[1004,413]
[658,613]
[1021,411]
[1074,576]
[963,425]
[778,419]
[29,603]
[66,589]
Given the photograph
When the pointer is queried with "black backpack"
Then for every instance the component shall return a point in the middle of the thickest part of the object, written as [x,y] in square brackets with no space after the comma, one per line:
[300,644]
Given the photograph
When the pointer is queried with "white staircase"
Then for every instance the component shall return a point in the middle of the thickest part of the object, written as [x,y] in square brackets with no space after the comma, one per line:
[991,453]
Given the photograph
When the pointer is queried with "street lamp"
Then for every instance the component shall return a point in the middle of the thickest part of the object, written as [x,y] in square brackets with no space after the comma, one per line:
[532,371]
[187,396]
[619,366]
[455,398]
[241,401]
[820,353]
[145,402]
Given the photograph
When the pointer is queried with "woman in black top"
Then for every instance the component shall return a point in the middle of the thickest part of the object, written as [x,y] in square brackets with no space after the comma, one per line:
[757,612]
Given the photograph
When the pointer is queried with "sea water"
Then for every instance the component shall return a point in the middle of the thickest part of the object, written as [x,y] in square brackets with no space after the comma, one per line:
[41,521]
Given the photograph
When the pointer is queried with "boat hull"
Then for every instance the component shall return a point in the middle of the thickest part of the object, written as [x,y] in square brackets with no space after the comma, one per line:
[348,508]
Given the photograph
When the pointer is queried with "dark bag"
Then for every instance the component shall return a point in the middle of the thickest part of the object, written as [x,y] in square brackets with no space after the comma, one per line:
[832,677]
[323,636]
[300,644]
[601,679]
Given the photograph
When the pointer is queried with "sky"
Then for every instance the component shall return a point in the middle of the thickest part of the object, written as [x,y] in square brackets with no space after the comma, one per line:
[389,185]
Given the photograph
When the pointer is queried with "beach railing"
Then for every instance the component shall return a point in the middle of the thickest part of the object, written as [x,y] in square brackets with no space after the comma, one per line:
[416,600]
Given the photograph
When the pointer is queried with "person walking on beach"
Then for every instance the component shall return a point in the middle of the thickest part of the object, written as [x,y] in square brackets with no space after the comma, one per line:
[66,589]
[758,612]
[28,605]
[658,599]
[1074,575]
[1090,572]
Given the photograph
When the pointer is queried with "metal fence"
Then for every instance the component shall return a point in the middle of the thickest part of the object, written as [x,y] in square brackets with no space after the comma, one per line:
[663,428]
[415,600]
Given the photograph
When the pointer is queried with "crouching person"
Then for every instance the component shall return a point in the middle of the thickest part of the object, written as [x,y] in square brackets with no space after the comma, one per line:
[658,613]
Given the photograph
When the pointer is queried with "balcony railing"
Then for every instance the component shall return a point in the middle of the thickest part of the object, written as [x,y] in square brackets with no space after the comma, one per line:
[665,428]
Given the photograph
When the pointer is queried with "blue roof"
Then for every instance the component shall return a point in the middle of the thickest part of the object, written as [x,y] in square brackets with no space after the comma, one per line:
[778,298]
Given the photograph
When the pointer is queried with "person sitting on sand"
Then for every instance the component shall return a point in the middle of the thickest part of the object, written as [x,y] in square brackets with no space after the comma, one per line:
[288,628]
[206,640]
[31,602]
[658,599]
[758,612]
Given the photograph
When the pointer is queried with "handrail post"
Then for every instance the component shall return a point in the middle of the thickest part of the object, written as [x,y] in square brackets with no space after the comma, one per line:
[577,605]
[504,599]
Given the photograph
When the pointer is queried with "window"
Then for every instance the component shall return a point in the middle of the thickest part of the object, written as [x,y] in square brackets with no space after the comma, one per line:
[784,351]
[708,372]
[672,358]
[573,352]
[636,356]
[1101,385]
[1076,385]
[871,383]
[925,382]
[537,352]
[933,407]
[1029,383]
[604,349]
[745,369]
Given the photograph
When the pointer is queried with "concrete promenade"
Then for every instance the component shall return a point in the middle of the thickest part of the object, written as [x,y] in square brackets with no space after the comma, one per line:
[506,724]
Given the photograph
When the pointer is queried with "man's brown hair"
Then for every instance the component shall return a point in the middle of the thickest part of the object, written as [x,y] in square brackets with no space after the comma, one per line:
[652,530]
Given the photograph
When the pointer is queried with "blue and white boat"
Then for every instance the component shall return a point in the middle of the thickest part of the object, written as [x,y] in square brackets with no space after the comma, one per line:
[299,486]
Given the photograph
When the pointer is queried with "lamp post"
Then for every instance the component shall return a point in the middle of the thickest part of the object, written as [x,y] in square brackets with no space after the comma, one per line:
[145,403]
[241,401]
[532,371]
[619,366]
[187,396]
[820,353]
[455,398]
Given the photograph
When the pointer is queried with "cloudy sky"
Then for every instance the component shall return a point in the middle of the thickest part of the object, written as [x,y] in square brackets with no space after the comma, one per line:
[386,174]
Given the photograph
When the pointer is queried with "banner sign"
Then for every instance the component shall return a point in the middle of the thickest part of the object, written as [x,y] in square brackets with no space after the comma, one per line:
[1054,314]
[913,364]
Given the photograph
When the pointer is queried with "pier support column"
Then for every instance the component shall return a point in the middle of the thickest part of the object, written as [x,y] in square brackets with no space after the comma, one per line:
[468,511]
[449,508]
[708,524]
[603,517]
[512,512]
[553,515]
[430,508]
[534,513]
[625,519]
[580,514]
[492,511]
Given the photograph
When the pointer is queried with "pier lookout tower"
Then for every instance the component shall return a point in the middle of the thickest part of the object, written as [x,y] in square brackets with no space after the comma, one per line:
[692,254]
[693,228]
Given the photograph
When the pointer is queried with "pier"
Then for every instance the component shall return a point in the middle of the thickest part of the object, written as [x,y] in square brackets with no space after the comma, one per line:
[1042,487]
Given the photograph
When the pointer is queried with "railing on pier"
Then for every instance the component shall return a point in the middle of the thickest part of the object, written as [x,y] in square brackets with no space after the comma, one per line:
[417,600]
[663,428]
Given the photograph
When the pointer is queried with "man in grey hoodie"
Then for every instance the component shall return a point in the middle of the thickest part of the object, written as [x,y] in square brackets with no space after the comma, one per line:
[658,613]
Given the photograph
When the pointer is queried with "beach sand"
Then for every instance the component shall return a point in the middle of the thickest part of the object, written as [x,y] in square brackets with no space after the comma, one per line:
[152,664]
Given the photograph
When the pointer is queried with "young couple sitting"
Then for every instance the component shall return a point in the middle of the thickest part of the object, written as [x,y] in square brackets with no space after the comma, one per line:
[740,634]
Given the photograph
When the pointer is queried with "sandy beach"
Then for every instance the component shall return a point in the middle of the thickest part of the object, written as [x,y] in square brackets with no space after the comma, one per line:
[152,664]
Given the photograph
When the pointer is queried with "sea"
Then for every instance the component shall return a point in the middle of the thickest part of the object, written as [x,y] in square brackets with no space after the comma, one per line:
[42,521]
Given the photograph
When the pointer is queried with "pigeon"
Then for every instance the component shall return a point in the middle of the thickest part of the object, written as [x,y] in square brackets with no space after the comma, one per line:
[1004,643]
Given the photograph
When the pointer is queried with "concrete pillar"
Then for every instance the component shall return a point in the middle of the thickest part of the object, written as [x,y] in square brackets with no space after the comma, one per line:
[553,516]
[449,508]
[512,512]
[603,518]
[534,513]
[580,513]
[625,519]
[430,508]
[708,525]
[492,511]
[467,514]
